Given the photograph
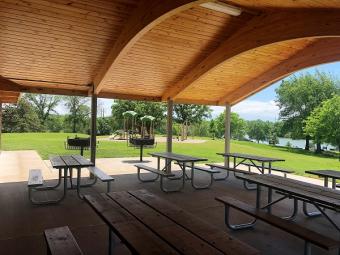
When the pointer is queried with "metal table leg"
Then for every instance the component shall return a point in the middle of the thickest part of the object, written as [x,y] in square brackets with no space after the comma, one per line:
[78,183]
[325,181]
[333,183]
[47,202]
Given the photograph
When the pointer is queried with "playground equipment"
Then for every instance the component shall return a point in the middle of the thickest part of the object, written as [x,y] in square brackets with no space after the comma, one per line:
[139,137]
[129,127]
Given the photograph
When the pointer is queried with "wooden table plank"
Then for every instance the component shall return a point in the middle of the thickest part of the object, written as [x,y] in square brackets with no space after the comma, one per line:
[70,161]
[178,237]
[214,236]
[137,237]
[177,157]
[251,157]
[57,162]
[82,161]
[325,173]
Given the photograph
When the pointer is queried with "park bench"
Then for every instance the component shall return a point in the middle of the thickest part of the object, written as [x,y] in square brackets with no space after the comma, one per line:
[60,241]
[309,236]
[158,173]
[210,171]
[276,169]
[101,175]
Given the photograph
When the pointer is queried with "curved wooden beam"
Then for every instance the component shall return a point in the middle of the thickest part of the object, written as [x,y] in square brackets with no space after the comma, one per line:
[146,16]
[324,50]
[262,30]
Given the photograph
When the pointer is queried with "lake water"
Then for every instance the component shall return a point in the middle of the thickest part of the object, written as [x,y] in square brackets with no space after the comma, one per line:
[299,143]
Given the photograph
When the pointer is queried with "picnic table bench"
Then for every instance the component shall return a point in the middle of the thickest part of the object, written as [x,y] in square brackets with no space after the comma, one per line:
[333,174]
[309,236]
[65,165]
[182,160]
[320,197]
[147,224]
[60,241]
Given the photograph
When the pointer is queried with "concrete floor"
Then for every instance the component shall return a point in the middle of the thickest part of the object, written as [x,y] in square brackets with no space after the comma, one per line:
[22,224]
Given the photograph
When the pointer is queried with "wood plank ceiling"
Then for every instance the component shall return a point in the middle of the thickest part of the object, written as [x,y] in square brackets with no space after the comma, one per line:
[68,46]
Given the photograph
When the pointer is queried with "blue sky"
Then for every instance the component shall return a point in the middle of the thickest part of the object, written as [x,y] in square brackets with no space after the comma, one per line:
[259,106]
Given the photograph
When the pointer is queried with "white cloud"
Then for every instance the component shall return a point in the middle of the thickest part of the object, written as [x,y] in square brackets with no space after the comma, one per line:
[252,110]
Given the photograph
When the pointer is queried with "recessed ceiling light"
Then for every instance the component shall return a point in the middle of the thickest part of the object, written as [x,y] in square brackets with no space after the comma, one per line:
[223,7]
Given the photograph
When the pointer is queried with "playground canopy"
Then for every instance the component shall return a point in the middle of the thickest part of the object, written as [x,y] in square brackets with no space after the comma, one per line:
[186,51]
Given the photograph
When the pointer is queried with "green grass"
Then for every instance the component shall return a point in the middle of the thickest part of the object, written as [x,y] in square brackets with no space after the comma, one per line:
[53,144]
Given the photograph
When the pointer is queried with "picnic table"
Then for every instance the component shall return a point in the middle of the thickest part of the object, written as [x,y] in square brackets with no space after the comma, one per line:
[252,159]
[182,160]
[68,163]
[320,197]
[333,174]
[148,224]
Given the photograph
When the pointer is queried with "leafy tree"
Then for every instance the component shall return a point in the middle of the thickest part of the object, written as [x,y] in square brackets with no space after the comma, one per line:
[299,96]
[324,122]
[20,118]
[142,108]
[258,130]
[213,129]
[104,125]
[238,126]
[201,129]
[55,123]
[78,119]
[187,114]
[44,105]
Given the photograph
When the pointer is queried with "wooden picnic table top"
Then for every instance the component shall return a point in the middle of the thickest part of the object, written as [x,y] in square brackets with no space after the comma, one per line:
[251,157]
[325,173]
[309,191]
[177,157]
[75,161]
[148,224]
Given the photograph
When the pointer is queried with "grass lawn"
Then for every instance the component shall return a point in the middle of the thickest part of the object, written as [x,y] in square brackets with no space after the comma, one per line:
[53,144]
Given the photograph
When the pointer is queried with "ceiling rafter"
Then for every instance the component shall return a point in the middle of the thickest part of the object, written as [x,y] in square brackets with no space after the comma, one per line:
[264,29]
[322,51]
[146,16]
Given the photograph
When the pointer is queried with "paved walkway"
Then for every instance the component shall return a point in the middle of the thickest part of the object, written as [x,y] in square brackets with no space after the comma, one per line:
[14,166]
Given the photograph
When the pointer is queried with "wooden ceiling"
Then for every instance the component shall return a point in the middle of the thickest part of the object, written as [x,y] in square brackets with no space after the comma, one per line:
[160,50]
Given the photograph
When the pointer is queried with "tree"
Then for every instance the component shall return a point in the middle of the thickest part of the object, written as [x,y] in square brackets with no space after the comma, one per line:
[299,96]
[44,105]
[142,108]
[187,114]
[20,118]
[324,122]
[258,130]
[78,119]
[238,126]
[104,125]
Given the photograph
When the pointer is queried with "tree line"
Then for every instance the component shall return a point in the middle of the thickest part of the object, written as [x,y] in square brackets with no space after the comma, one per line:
[309,108]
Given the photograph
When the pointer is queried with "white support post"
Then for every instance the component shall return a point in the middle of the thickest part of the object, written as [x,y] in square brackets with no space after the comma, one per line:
[93,137]
[169,130]
[227,135]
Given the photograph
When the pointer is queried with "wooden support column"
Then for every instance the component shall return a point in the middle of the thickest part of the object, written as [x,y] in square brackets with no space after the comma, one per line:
[0,127]
[169,130]
[93,128]
[227,135]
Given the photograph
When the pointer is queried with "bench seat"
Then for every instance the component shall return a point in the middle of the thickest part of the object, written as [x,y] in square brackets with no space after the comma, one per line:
[161,174]
[35,178]
[101,175]
[60,241]
[210,171]
[277,169]
[154,170]
[227,168]
[309,236]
